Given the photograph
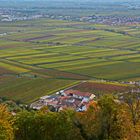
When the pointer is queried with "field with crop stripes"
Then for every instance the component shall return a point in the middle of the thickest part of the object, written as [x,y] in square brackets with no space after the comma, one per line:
[52,54]
[98,87]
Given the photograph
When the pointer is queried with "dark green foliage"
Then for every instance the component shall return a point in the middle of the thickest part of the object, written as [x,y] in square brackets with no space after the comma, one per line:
[50,126]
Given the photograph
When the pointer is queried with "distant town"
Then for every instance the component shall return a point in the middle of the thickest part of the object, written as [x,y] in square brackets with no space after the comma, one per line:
[8,15]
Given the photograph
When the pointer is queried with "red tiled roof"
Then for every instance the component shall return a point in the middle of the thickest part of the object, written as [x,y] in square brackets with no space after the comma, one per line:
[79,93]
[53,103]
[64,97]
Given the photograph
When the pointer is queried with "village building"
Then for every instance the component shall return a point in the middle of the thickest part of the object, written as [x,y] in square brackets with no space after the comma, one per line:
[75,99]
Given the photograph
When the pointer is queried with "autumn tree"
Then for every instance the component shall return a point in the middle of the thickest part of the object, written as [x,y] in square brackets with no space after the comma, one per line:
[87,122]
[46,126]
[132,101]
[6,122]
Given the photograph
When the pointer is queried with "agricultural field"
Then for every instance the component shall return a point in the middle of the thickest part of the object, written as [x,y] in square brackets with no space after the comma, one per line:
[28,89]
[39,57]
[101,87]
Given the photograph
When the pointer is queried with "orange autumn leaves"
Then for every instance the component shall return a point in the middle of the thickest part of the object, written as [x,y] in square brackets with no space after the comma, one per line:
[6,122]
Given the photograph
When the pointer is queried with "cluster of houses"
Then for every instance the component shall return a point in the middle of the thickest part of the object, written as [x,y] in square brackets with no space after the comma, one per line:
[63,99]
[8,18]
[70,98]
[12,14]
[98,19]
[111,20]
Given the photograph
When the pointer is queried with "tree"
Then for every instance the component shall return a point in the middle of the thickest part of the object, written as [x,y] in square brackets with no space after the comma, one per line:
[108,113]
[133,102]
[6,122]
[87,122]
[46,125]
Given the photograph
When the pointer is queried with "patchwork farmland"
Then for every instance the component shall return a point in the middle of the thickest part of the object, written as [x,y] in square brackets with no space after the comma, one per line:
[53,54]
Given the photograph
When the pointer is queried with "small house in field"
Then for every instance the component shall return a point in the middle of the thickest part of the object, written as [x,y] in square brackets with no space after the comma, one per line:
[81,95]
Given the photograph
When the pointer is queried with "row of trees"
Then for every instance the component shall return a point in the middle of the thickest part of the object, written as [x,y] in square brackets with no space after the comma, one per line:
[107,119]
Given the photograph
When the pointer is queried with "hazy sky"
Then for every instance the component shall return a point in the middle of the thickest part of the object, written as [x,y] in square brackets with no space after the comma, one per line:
[76,0]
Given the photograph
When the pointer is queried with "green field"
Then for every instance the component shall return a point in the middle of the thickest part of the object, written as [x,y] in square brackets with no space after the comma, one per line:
[42,56]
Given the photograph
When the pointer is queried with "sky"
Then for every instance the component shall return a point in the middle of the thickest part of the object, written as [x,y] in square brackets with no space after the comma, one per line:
[73,0]
[76,0]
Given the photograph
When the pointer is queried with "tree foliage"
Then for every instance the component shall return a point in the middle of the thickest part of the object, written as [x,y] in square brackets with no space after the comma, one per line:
[106,119]
[6,122]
